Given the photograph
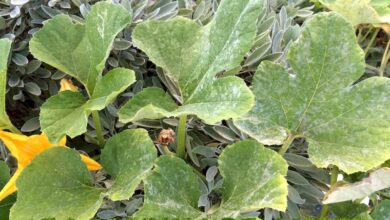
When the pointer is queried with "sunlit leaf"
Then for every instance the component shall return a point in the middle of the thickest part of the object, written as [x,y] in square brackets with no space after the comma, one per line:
[345,124]
[67,113]
[192,56]
[128,157]
[56,184]
[77,49]
[171,191]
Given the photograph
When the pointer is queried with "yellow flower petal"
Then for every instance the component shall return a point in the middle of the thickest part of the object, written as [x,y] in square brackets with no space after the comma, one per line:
[10,187]
[91,164]
[67,84]
[25,148]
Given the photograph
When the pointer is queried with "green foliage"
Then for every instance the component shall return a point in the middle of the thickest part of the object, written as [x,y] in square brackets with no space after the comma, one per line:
[5,46]
[128,157]
[81,51]
[59,112]
[192,55]
[56,184]
[318,101]
[382,211]
[171,190]
[313,98]
[361,11]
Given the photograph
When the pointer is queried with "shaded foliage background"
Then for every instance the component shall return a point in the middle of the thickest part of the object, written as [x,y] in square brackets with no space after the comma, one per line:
[30,83]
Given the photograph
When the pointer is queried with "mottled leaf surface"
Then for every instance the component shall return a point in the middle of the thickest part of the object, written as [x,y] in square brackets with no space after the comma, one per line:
[254,178]
[128,157]
[5,205]
[56,184]
[67,112]
[64,114]
[110,86]
[78,49]
[5,46]
[171,191]
[192,56]
[346,125]
[382,211]
[152,103]
[378,180]
[359,11]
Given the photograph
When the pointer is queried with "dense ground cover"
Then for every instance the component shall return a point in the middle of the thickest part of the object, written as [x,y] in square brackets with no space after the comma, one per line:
[194,109]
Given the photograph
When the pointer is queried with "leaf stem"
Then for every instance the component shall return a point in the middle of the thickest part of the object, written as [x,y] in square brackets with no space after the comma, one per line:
[181,136]
[333,180]
[373,36]
[166,150]
[385,59]
[98,128]
[286,144]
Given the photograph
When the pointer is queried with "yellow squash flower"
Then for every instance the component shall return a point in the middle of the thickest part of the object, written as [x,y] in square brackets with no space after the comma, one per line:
[25,148]
[67,84]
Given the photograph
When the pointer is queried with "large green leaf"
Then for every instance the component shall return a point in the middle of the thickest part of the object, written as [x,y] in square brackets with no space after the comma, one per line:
[192,56]
[67,112]
[128,157]
[346,125]
[5,46]
[56,184]
[171,191]
[64,114]
[359,11]
[378,180]
[382,211]
[77,49]
[254,178]
[5,205]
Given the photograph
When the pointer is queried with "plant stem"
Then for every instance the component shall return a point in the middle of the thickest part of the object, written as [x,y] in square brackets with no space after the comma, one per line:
[385,59]
[98,128]
[14,129]
[286,144]
[333,180]
[91,138]
[365,35]
[166,150]
[181,137]
[373,36]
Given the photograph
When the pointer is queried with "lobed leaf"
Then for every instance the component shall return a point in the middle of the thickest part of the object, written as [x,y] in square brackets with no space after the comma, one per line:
[128,157]
[254,178]
[77,49]
[193,55]
[56,184]
[67,112]
[171,191]
[346,125]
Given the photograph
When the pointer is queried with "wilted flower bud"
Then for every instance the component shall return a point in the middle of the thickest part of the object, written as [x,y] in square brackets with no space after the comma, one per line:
[166,136]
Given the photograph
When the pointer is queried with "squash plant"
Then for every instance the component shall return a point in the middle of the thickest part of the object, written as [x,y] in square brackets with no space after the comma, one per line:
[314,96]
[81,50]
